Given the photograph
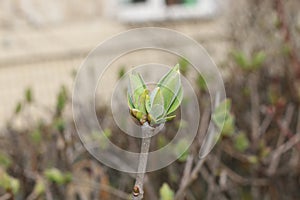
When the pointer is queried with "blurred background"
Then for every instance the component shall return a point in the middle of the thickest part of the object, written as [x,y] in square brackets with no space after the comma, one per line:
[254,43]
[43,42]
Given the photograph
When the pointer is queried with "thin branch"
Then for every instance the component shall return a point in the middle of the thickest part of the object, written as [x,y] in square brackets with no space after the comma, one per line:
[48,193]
[287,36]
[284,129]
[255,119]
[190,175]
[288,145]
[6,196]
[213,187]
[298,122]
[193,176]
[266,123]
[147,132]
[151,193]
[115,192]
[187,170]
[275,158]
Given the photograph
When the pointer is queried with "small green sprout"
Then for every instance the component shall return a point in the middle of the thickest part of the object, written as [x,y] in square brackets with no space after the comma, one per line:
[255,62]
[155,107]
[57,176]
[166,193]
[223,119]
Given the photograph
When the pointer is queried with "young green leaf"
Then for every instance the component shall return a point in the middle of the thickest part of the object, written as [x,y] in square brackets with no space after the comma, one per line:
[28,95]
[58,177]
[121,72]
[171,89]
[176,102]
[166,193]
[138,97]
[141,104]
[221,112]
[181,148]
[61,101]
[241,59]
[258,59]
[8,182]
[18,108]
[184,66]
[136,88]
[39,187]
[156,109]
[201,83]
[5,161]
[241,142]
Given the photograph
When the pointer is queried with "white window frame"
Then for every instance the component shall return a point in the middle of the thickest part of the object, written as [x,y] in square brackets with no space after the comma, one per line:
[157,10]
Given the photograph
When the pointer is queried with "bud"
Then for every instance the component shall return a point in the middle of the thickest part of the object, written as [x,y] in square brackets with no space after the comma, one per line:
[137,95]
[161,102]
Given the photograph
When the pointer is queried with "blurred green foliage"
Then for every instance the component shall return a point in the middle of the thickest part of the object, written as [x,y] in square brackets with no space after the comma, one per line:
[249,64]
[166,193]
[28,95]
[241,142]
[56,176]
[62,98]
[8,182]
[223,119]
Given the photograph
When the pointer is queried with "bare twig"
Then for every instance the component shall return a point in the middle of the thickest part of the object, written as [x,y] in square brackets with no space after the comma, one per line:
[151,193]
[255,119]
[6,196]
[266,123]
[190,175]
[188,181]
[283,25]
[115,192]
[48,193]
[203,125]
[213,187]
[147,132]
[298,122]
[275,157]
[284,128]
[187,170]
[214,160]
[288,145]
[234,154]
[287,36]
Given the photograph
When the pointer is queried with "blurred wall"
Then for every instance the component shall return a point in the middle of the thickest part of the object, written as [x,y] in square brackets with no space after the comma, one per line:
[42,13]
[42,42]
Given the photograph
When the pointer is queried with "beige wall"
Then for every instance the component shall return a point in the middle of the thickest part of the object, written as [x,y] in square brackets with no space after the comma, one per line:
[43,57]
[43,13]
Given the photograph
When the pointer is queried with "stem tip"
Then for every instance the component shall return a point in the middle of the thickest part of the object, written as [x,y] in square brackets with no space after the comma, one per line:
[136,191]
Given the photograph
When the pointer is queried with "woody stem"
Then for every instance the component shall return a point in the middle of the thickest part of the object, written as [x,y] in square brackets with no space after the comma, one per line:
[147,132]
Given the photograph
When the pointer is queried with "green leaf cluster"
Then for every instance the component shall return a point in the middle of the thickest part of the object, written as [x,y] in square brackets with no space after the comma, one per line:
[223,119]
[39,187]
[156,106]
[241,142]
[251,64]
[184,66]
[56,176]
[5,161]
[166,193]
[28,99]
[182,150]
[8,182]
[61,101]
